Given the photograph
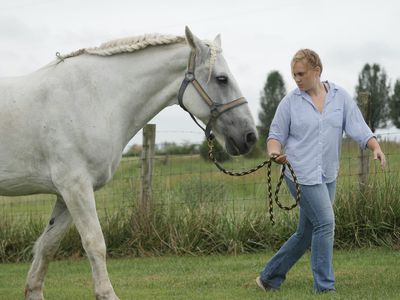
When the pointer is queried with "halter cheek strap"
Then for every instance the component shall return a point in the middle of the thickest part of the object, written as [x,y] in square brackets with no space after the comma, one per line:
[216,109]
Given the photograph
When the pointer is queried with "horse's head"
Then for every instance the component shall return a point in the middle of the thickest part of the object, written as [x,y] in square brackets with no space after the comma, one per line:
[213,96]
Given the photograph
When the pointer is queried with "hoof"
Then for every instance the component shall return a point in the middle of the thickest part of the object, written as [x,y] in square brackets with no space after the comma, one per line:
[33,294]
[107,296]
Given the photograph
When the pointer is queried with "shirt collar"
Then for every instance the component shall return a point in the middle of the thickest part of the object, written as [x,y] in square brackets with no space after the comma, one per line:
[333,89]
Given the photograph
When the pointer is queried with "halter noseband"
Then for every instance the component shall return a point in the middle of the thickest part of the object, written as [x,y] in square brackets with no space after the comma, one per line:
[216,109]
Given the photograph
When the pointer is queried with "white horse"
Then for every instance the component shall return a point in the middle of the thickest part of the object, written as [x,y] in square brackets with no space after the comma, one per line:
[63,128]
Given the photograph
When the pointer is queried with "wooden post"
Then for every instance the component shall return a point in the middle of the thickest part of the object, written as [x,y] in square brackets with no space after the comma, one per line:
[147,158]
[363,166]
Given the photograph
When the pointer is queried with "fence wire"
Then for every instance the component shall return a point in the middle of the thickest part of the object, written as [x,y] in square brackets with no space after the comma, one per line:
[186,181]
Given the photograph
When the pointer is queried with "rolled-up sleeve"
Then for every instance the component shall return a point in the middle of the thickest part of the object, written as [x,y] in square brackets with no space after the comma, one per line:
[355,126]
[280,125]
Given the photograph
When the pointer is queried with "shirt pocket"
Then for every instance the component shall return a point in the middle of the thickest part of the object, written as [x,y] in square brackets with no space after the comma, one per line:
[335,118]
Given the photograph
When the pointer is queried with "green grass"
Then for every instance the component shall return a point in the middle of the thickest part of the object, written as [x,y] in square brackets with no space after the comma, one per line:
[360,274]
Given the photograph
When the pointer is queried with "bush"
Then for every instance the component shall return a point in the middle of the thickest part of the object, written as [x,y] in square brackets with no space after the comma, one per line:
[219,152]
[256,151]
[135,150]
[175,149]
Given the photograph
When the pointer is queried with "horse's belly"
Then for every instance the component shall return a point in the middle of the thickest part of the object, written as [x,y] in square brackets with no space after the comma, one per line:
[25,186]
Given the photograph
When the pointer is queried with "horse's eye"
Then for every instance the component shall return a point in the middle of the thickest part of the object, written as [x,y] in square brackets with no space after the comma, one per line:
[222,79]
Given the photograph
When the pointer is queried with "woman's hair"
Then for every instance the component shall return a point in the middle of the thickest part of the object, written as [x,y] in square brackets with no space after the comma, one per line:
[309,56]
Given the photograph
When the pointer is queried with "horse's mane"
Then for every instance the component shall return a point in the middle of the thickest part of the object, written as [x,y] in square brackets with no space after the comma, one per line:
[132,44]
[124,45]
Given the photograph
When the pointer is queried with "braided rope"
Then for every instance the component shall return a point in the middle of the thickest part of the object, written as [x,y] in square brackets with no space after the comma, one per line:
[268,162]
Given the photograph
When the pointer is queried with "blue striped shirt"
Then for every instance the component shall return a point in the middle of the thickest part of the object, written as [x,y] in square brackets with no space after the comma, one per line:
[312,140]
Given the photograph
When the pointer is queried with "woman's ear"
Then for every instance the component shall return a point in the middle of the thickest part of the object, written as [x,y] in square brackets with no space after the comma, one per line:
[318,70]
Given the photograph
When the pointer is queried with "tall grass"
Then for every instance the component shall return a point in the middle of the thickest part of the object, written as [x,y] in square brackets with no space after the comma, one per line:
[370,216]
[208,224]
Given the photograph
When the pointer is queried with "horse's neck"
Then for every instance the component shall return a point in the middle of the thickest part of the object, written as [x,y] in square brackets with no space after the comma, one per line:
[145,83]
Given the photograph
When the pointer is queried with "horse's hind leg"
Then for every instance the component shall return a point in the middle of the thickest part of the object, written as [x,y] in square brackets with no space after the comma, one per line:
[79,197]
[45,248]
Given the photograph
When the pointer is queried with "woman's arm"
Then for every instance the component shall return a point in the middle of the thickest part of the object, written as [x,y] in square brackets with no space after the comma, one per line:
[358,130]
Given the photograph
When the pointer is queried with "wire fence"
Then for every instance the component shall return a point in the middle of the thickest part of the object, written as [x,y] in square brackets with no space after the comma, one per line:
[187,181]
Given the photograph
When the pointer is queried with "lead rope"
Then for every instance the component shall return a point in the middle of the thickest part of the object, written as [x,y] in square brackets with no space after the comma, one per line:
[270,198]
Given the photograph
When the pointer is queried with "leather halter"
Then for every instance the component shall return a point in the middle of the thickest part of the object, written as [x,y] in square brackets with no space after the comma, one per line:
[216,109]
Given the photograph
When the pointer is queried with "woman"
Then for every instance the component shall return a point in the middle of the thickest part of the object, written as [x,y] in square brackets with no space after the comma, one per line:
[309,124]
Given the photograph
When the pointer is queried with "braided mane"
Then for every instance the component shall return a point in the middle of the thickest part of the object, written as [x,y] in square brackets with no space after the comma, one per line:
[132,44]
[129,44]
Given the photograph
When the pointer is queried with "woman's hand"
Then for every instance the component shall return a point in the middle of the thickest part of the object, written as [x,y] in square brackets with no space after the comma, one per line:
[274,151]
[279,158]
[379,155]
[373,145]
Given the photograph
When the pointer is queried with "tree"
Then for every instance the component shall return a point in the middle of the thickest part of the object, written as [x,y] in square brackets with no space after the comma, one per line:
[273,92]
[394,105]
[373,80]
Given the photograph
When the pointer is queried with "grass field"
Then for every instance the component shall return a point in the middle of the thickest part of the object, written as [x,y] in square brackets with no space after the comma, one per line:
[361,274]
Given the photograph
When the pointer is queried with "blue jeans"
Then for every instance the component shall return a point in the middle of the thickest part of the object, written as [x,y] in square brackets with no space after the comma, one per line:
[316,228]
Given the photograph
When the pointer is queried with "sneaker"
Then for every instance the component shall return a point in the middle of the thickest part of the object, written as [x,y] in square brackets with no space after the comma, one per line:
[330,291]
[264,286]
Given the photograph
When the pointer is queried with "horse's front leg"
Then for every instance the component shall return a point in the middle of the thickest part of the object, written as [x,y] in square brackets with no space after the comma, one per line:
[79,198]
[45,248]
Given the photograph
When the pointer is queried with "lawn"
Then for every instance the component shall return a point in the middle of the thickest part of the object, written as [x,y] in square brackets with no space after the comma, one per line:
[360,274]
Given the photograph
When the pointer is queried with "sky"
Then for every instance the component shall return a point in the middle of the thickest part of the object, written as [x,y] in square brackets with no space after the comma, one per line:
[258,37]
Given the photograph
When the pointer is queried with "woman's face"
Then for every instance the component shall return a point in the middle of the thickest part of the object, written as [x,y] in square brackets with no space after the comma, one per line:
[305,77]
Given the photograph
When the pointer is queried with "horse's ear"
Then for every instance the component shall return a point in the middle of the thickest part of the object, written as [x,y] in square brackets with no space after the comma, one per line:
[191,38]
[217,41]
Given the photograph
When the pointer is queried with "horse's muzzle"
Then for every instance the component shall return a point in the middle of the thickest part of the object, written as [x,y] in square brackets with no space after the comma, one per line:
[243,146]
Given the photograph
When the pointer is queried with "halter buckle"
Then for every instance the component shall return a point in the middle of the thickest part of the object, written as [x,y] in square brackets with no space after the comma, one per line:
[214,111]
[189,76]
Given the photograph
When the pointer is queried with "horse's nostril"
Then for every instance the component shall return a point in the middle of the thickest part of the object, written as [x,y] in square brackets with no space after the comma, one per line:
[251,138]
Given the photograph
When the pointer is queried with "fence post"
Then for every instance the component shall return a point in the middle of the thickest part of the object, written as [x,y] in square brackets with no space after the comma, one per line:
[363,166]
[146,174]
